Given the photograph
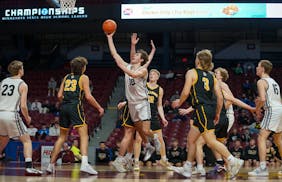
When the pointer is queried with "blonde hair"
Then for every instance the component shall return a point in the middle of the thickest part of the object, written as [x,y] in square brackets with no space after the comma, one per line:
[14,67]
[156,71]
[267,65]
[223,72]
[205,59]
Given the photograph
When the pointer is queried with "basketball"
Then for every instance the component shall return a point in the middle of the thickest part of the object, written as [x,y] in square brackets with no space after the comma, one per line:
[109,26]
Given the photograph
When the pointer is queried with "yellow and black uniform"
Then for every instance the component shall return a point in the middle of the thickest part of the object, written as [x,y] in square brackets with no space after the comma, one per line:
[153,97]
[125,117]
[202,100]
[71,109]
[222,126]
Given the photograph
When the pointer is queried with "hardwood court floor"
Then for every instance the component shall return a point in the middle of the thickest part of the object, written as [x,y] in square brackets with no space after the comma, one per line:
[13,171]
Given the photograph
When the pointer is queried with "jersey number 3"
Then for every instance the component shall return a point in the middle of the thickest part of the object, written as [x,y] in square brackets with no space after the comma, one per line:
[206,83]
[70,85]
[8,90]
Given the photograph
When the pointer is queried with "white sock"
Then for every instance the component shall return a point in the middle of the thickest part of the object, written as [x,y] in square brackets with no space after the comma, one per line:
[164,158]
[156,136]
[136,159]
[231,159]
[200,166]
[84,160]
[28,159]
[188,164]
[128,155]
[262,165]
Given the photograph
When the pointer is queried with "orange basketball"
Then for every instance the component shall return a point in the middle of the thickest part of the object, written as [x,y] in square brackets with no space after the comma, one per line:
[109,26]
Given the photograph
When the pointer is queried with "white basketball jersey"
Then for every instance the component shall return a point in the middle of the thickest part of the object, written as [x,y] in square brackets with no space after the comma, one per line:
[135,88]
[273,98]
[9,94]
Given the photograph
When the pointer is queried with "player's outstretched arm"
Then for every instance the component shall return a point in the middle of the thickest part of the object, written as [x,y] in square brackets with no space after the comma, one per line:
[88,95]
[23,102]
[151,55]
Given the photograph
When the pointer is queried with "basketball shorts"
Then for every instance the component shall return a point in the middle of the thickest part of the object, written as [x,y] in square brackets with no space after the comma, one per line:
[272,119]
[125,117]
[155,122]
[231,117]
[204,117]
[12,125]
[222,127]
[72,115]
[140,111]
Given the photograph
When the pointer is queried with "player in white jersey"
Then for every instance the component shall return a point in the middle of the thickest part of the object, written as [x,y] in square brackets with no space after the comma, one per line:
[137,98]
[13,97]
[270,99]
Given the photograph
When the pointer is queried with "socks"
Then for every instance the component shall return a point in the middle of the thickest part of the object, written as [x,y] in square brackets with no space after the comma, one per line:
[155,136]
[28,162]
[84,160]
[220,162]
[262,165]
[231,159]
[188,164]
[200,166]
[128,156]
[164,158]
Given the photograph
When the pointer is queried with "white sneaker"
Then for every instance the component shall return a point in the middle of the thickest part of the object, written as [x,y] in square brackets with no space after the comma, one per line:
[136,166]
[197,171]
[118,164]
[183,171]
[149,151]
[51,169]
[259,172]
[88,169]
[157,143]
[33,172]
[235,167]
[129,164]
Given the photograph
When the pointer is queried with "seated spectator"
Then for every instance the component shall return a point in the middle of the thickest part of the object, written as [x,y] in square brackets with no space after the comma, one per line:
[237,150]
[52,85]
[233,136]
[251,154]
[167,107]
[54,129]
[175,154]
[66,154]
[270,154]
[102,154]
[31,130]
[42,133]
[238,69]
[245,136]
[249,67]
[76,151]
[47,106]
[56,109]
[243,117]
[36,106]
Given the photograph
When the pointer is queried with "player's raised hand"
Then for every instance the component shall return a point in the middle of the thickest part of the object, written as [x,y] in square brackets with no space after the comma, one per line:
[134,39]
[101,111]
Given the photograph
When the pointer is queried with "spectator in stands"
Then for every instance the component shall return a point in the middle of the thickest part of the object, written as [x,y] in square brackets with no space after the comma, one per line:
[243,117]
[102,154]
[47,106]
[251,154]
[234,135]
[167,107]
[175,96]
[31,130]
[249,67]
[66,154]
[270,154]
[237,150]
[54,129]
[55,110]
[52,85]
[76,151]
[42,133]
[254,127]
[246,85]
[245,136]
[175,154]
[36,106]
[238,69]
